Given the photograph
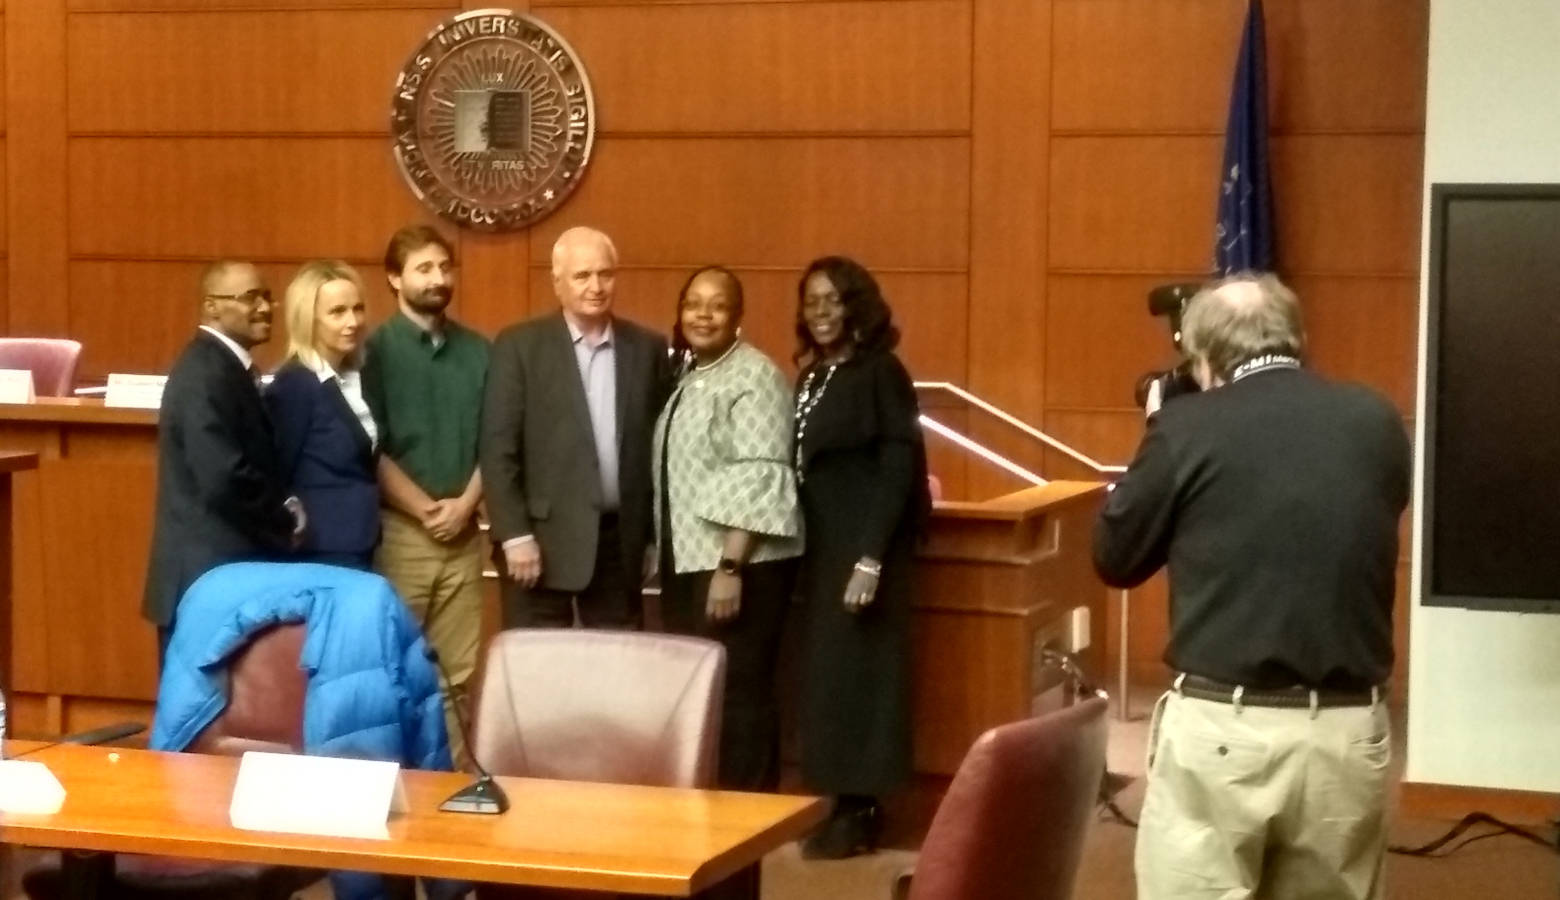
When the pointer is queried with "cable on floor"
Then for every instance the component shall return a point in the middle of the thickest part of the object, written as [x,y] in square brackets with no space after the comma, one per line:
[1439,848]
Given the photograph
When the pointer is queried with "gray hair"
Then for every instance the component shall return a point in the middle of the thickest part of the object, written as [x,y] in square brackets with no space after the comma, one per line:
[579,234]
[1242,317]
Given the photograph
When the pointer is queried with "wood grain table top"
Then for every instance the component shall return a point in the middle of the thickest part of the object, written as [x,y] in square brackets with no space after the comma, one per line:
[605,837]
[76,411]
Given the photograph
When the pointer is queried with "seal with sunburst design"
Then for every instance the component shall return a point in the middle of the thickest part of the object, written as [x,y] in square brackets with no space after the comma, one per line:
[493,120]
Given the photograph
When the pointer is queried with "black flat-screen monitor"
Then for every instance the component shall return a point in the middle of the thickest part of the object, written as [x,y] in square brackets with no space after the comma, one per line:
[1491,509]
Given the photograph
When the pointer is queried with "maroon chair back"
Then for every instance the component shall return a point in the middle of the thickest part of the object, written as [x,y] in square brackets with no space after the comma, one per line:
[620,707]
[265,697]
[1012,823]
[264,712]
[51,360]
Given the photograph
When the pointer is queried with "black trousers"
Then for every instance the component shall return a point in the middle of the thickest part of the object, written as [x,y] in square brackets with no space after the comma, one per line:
[750,715]
[613,599]
[750,712]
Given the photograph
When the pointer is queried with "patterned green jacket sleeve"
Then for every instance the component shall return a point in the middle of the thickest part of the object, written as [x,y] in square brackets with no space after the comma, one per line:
[752,485]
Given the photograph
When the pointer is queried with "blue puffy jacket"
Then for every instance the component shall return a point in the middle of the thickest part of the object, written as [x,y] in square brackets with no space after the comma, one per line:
[373,692]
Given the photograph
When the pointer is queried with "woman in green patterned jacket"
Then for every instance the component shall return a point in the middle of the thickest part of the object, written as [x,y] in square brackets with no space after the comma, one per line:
[727,524]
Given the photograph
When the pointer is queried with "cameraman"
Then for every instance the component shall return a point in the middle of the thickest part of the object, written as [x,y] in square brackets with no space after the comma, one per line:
[1274,497]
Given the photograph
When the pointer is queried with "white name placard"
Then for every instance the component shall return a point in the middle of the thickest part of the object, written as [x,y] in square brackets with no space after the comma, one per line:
[320,795]
[16,386]
[136,391]
[29,788]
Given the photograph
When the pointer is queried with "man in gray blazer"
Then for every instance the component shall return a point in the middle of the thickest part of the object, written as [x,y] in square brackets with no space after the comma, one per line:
[565,449]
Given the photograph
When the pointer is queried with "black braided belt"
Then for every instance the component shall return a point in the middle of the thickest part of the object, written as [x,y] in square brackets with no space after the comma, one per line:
[1199,688]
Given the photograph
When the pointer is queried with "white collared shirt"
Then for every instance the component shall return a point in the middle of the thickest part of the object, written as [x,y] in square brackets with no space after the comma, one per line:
[244,358]
[351,384]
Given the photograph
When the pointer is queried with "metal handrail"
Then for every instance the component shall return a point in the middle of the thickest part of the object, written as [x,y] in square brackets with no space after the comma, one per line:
[1007,417]
[980,450]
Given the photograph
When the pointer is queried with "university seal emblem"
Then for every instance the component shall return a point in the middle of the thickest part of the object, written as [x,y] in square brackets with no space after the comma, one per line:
[493,120]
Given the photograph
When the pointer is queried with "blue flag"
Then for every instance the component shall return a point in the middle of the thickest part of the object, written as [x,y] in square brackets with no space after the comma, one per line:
[1243,236]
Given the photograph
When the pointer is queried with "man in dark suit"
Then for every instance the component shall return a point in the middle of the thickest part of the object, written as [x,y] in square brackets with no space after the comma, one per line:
[1274,497]
[220,494]
[571,399]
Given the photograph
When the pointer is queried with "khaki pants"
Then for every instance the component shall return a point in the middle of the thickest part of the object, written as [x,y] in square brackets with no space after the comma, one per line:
[1256,802]
[441,585]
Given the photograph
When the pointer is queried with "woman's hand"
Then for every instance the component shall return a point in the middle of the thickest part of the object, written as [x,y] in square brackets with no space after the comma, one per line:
[862,586]
[725,597]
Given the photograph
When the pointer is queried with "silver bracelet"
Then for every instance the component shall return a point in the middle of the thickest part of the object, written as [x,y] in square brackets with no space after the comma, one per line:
[874,570]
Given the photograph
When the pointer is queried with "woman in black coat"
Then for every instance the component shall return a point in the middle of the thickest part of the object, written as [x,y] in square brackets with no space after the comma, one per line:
[325,435]
[861,469]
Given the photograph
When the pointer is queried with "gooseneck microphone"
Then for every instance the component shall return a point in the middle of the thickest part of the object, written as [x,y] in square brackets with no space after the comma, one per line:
[483,796]
[114,732]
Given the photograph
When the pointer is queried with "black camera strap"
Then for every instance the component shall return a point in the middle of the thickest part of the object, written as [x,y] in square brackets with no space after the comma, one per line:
[1263,364]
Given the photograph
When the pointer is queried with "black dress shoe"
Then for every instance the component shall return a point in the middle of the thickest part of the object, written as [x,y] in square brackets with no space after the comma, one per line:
[846,833]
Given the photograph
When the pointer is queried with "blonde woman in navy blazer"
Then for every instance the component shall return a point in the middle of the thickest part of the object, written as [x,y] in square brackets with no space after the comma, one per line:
[325,436]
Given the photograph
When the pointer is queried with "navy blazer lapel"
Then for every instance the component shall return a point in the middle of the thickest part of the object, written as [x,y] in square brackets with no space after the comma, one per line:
[574,386]
[233,370]
[337,400]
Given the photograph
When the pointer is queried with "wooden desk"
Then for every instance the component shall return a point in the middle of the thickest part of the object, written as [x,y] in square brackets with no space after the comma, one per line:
[80,528]
[563,834]
[12,462]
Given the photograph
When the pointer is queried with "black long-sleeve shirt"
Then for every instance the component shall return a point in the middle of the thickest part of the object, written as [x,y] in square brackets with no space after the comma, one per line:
[1275,502]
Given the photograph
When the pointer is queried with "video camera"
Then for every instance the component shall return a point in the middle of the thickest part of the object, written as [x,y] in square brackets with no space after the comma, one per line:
[1169,300]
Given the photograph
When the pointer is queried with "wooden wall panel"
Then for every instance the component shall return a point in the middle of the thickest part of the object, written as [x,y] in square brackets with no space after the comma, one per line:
[894,203]
[110,6]
[494,288]
[1329,222]
[4,309]
[246,72]
[1141,65]
[1008,346]
[763,67]
[2,70]
[1364,329]
[1109,435]
[1145,66]
[158,302]
[35,168]
[1147,203]
[1100,339]
[267,198]
[4,221]
[1133,204]
[1348,66]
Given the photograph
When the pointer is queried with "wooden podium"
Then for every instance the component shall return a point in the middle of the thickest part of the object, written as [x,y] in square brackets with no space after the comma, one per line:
[998,582]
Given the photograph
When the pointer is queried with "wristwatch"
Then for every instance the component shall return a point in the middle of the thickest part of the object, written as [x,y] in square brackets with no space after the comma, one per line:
[729,566]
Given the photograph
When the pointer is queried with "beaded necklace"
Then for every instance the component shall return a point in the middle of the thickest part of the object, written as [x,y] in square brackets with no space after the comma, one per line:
[806,402]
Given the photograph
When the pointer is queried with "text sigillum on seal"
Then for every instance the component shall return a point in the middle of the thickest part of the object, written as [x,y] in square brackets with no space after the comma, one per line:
[493,120]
